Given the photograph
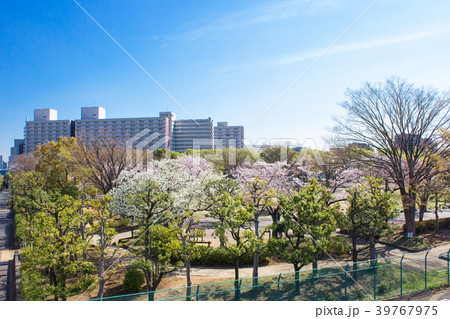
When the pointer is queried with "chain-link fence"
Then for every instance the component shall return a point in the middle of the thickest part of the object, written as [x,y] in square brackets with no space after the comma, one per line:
[379,279]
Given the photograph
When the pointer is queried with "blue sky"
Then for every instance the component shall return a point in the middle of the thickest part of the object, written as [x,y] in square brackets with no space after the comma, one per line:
[226,59]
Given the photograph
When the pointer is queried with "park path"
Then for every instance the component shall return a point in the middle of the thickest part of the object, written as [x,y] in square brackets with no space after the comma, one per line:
[5,252]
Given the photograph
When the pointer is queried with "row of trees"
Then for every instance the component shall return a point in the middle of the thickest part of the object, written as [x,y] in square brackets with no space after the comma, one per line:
[68,193]
[59,215]
[57,218]
[174,194]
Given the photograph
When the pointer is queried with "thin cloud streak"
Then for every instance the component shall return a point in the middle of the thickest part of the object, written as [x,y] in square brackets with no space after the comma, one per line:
[351,47]
[257,15]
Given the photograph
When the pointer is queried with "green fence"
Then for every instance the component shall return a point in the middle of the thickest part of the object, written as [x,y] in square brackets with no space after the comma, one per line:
[379,279]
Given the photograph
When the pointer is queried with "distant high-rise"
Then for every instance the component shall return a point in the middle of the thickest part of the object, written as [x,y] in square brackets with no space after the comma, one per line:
[17,149]
[44,128]
[163,131]
[92,126]
[226,136]
[193,134]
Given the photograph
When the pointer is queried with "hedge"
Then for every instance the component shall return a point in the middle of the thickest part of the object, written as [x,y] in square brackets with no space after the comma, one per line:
[220,256]
[430,225]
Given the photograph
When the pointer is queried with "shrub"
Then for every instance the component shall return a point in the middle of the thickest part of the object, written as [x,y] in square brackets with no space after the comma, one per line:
[430,225]
[385,287]
[31,285]
[134,279]
[220,256]
[329,296]
[124,222]
[339,246]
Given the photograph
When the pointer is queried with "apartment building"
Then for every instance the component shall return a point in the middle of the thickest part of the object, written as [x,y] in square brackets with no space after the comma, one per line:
[163,131]
[94,125]
[44,128]
[193,134]
[226,136]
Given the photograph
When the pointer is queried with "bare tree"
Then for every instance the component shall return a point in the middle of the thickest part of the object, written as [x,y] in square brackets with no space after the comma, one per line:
[104,159]
[24,163]
[401,122]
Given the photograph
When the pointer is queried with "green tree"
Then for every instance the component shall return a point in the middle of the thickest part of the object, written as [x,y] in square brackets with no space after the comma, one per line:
[152,203]
[215,192]
[100,224]
[7,180]
[235,217]
[279,153]
[369,211]
[183,224]
[59,168]
[307,222]
[162,246]
[56,246]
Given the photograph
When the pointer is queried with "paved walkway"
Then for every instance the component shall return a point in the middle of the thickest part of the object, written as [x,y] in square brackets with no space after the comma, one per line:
[5,253]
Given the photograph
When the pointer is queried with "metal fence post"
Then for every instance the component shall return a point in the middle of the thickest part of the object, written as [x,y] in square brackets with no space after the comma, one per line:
[278,291]
[345,287]
[426,270]
[239,291]
[375,280]
[401,275]
[448,267]
[313,286]
[196,294]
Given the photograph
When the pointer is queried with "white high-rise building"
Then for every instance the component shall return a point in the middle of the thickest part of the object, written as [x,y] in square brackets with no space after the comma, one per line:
[226,136]
[193,134]
[45,128]
[145,132]
[94,125]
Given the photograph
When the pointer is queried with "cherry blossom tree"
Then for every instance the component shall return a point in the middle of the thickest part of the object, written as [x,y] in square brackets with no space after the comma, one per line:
[169,191]
[261,182]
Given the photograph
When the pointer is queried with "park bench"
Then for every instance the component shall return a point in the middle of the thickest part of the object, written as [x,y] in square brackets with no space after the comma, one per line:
[197,236]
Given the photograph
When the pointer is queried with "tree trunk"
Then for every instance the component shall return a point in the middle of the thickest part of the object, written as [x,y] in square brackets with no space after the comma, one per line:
[101,262]
[151,295]
[275,214]
[54,282]
[436,204]
[422,210]
[355,257]
[256,253]
[187,263]
[63,284]
[423,205]
[372,244]
[237,293]
[297,279]
[409,209]
[188,279]
[146,237]
[315,262]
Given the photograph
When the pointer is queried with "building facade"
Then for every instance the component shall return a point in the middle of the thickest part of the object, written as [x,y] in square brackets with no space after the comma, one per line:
[17,149]
[164,131]
[93,125]
[193,134]
[226,136]
[45,128]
